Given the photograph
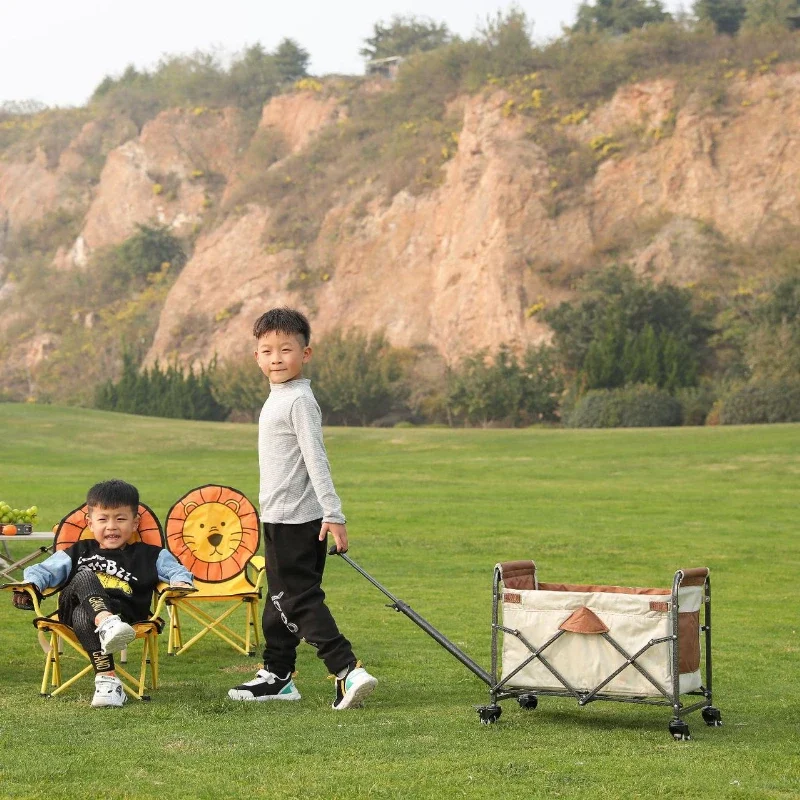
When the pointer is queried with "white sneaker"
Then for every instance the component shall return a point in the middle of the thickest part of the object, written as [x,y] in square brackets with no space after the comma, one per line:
[115,635]
[266,686]
[352,690]
[108,692]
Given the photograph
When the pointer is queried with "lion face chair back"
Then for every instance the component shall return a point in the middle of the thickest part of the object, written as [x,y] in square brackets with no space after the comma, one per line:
[54,634]
[213,531]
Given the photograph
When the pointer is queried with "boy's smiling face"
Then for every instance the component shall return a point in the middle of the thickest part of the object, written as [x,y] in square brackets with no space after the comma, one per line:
[112,528]
[281,356]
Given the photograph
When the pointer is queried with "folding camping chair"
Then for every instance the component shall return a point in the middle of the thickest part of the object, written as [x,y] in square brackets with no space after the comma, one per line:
[214,532]
[72,528]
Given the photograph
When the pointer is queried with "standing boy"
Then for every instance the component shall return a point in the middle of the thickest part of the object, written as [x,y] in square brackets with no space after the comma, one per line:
[299,507]
[106,582]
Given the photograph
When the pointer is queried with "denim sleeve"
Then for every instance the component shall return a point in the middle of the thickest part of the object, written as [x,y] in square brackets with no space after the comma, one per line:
[170,570]
[51,572]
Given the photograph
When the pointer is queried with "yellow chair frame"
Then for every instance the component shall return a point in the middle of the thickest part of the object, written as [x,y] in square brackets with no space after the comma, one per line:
[237,580]
[247,644]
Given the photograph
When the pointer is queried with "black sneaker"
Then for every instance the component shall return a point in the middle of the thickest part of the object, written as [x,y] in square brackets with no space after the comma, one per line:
[266,686]
[352,690]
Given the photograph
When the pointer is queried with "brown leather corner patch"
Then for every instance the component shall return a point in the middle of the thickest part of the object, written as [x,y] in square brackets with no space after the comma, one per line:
[512,597]
[659,605]
[584,620]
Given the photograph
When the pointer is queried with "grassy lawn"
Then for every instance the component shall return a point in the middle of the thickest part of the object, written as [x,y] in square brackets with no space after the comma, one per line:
[429,514]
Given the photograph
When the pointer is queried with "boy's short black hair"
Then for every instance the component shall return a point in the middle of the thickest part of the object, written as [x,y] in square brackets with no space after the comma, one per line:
[113,494]
[284,320]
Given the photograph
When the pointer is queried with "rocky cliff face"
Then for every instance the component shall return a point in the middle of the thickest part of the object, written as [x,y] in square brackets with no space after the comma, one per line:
[468,264]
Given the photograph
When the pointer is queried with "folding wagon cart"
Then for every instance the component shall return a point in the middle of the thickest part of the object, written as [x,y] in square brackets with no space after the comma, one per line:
[591,642]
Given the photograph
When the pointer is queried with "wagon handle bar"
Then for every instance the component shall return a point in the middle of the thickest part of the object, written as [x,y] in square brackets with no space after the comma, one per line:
[404,608]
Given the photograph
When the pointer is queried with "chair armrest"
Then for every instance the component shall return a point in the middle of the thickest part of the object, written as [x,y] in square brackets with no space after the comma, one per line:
[257,565]
[27,588]
[165,593]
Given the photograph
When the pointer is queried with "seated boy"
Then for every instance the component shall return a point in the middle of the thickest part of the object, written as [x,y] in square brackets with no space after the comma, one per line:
[106,582]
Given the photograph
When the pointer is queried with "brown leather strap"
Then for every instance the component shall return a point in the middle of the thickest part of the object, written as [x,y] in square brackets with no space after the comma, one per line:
[518,574]
[696,576]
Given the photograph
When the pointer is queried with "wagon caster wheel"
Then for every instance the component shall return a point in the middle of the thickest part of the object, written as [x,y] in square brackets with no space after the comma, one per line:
[712,717]
[528,701]
[679,730]
[489,714]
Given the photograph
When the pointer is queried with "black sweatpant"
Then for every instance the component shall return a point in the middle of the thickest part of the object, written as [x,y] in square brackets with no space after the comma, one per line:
[79,602]
[294,608]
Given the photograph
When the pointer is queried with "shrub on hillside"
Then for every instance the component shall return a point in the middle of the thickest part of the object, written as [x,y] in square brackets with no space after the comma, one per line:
[696,404]
[763,402]
[241,387]
[127,267]
[357,378]
[725,15]
[771,13]
[404,35]
[619,16]
[638,406]
[502,390]
[624,330]
[169,392]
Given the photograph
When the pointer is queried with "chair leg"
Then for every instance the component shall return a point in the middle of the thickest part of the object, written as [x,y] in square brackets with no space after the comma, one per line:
[252,627]
[153,652]
[175,641]
[145,663]
[51,665]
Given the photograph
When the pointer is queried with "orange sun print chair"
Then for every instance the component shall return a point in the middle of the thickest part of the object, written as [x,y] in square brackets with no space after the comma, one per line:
[72,528]
[214,532]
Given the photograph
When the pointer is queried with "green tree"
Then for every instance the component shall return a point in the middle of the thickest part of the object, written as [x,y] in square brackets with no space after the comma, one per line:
[652,356]
[679,368]
[619,16]
[127,266]
[617,330]
[602,367]
[507,38]
[543,384]
[726,15]
[240,386]
[357,378]
[291,60]
[404,35]
[772,342]
[161,393]
[771,12]
[253,78]
[196,79]
[483,390]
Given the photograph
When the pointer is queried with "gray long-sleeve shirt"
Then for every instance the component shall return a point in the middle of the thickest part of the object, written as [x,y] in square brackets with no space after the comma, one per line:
[296,484]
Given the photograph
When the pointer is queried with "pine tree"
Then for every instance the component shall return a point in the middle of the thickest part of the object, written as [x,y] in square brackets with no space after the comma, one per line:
[651,356]
[726,15]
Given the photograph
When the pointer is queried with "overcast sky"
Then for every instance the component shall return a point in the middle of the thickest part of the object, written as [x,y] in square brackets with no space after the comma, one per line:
[57,51]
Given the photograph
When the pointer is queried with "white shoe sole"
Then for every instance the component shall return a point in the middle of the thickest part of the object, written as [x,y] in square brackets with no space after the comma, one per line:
[101,702]
[355,695]
[125,635]
[246,697]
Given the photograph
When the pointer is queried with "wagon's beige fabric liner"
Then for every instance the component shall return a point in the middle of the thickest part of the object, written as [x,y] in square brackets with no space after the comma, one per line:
[586,660]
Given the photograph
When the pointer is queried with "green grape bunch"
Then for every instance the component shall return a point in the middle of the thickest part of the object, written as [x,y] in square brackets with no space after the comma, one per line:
[9,515]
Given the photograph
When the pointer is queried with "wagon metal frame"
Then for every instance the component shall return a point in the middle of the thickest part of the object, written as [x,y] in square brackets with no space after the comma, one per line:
[527,696]
[669,696]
